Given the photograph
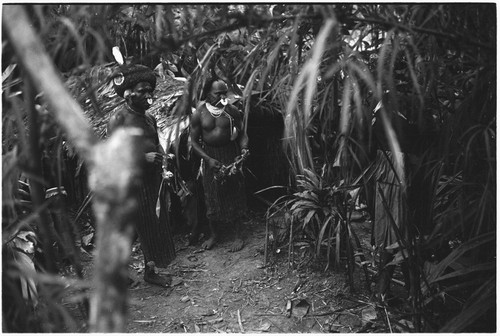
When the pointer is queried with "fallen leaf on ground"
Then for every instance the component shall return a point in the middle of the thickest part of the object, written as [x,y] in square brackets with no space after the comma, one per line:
[176,282]
[301,309]
[209,312]
[264,327]
[288,308]
[408,326]
[217,320]
[368,314]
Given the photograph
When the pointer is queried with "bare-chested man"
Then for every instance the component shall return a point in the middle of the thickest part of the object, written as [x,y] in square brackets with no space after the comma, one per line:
[218,136]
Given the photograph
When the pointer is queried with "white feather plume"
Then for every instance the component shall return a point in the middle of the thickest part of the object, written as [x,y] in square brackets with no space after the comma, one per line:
[117,55]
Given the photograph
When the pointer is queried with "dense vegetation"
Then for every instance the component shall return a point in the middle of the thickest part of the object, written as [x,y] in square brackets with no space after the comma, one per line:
[325,68]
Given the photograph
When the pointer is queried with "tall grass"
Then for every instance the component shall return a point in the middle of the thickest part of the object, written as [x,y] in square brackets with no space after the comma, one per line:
[435,72]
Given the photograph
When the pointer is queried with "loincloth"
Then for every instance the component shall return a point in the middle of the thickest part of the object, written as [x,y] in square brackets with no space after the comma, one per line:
[226,201]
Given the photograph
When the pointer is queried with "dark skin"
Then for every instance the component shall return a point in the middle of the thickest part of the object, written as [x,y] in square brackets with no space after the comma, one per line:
[216,132]
[139,99]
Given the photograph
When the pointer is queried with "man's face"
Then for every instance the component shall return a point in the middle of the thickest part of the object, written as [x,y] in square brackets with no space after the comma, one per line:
[141,97]
[218,94]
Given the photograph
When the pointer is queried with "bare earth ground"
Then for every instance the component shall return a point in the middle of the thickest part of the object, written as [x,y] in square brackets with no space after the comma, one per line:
[216,291]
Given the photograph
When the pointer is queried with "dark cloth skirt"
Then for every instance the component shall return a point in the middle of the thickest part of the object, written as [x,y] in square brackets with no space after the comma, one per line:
[225,202]
[390,204]
[154,234]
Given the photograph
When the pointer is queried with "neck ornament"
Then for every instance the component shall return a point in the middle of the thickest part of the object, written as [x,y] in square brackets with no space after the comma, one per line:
[216,112]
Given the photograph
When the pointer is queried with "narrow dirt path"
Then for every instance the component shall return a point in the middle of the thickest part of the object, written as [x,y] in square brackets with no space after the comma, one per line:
[218,291]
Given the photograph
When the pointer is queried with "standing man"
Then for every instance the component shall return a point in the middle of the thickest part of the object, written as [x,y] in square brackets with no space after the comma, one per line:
[136,84]
[218,136]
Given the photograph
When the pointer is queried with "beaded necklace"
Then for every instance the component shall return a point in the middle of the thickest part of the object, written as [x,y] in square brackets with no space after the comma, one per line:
[216,112]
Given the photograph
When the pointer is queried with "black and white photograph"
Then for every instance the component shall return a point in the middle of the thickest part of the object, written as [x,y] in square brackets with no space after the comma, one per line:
[249,167]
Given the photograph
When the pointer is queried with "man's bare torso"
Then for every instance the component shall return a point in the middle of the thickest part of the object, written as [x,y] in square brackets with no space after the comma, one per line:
[216,131]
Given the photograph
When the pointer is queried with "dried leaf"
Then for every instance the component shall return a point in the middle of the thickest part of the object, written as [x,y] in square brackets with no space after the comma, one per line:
[368,314]
[8,71]
[264,327]
[301,308]
[87,239]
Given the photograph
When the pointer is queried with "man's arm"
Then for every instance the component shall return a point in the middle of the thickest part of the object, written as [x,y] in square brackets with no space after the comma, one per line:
[242,138]
[153,121]
[238,118]
[195,134]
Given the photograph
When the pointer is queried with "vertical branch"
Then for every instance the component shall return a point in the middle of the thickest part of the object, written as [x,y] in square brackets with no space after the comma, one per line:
[290,245]
[116,184]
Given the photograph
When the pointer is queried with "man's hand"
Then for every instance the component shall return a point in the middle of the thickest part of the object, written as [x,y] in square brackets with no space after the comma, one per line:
[214,164]
[244,155]
[154,157]
[245,152]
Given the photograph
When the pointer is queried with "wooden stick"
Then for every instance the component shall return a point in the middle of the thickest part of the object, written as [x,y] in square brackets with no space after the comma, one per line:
[239,322]
[388,321]
[290,246]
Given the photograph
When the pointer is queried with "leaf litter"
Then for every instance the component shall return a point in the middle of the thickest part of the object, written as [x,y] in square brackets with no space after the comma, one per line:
[222,292]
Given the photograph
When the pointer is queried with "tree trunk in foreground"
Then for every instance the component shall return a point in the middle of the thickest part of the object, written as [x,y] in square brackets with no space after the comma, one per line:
[114,170]
[116,185]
